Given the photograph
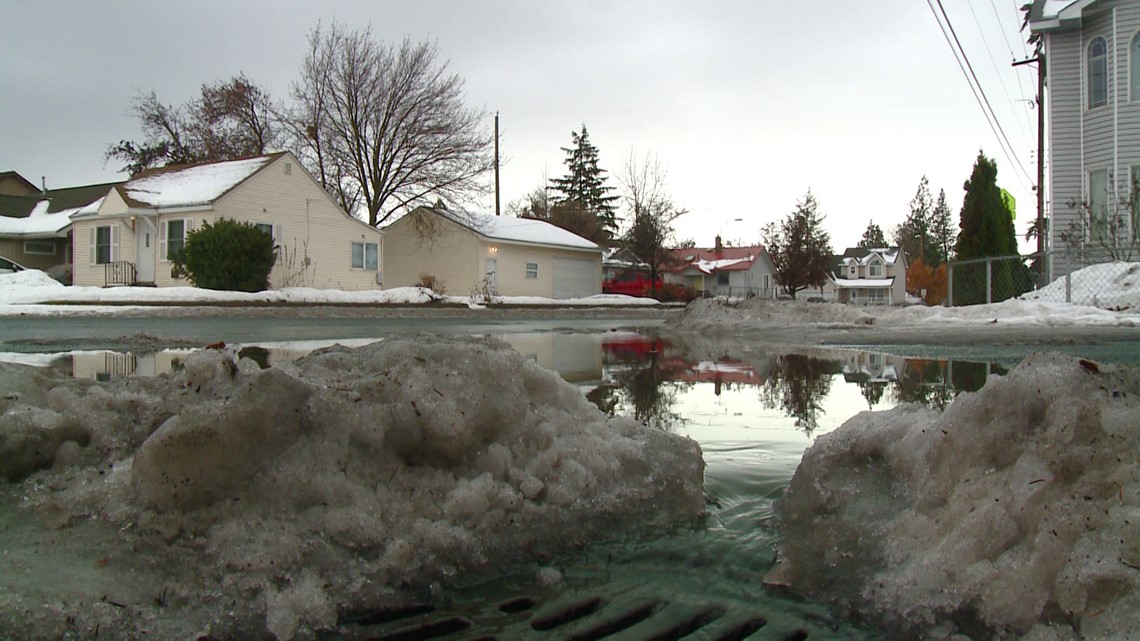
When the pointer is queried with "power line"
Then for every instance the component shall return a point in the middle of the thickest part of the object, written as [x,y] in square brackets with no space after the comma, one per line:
[997,72]
[975,87]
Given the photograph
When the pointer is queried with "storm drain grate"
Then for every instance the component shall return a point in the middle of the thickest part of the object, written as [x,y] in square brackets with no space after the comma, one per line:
[634,615]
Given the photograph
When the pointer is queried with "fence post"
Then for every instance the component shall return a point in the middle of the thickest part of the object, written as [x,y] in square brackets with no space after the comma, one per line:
[1068,277]
[989,280]
[950,284]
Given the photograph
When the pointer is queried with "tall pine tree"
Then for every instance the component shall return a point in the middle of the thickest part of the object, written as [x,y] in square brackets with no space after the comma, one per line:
[873,237]
[913,235]
[585,183]
[987,230]
[800,247]
[942,228]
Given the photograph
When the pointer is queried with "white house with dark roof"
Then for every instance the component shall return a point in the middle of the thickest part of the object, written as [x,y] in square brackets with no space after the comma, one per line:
[129,237]
[506,255]
[871,276]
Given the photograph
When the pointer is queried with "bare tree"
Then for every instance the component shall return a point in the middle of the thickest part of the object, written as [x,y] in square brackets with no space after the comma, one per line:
[651,210]
[385,126]
[228,120]
[1110,228]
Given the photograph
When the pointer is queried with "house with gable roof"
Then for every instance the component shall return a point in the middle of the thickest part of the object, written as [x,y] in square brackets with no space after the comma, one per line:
[724,271]
[35,225]
[871,276]
[1092,63]
[505,255]
[129,237]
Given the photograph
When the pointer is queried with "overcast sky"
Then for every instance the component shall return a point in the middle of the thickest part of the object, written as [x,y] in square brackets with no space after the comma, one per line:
[747,103]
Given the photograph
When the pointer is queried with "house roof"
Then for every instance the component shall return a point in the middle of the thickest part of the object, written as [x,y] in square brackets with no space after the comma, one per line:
[863,255]
[710,261]
[1057,15]
[44,221]
[863,283]
[622,257]
[189,185]
[29,187]
[520,230]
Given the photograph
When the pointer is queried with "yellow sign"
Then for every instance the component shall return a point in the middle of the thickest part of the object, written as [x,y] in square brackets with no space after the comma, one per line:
[1010,203]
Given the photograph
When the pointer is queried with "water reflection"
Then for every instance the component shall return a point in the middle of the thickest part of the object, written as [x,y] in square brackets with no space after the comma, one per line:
[648,377]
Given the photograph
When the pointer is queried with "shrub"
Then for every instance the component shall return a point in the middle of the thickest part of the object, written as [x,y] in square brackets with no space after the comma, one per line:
[675,292]
[226,255]
[436,285]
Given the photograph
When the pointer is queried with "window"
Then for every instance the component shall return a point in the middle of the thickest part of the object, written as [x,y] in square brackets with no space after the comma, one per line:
[104,244]
[1098,73]
[288,168]
[1098,204]
[172,237]
[532,270]
[851,271]
[875,269]
[365,256]
[722,279]
[1134,66]
[44,247]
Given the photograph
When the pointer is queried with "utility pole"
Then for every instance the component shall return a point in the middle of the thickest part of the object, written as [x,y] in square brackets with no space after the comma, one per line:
[1040,60]
[496,163]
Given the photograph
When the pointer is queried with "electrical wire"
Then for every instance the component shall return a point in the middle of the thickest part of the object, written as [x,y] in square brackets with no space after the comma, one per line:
[993,61]
[979,95]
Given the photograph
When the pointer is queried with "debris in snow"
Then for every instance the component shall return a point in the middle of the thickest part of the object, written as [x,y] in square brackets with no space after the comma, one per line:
[1013,512]
[245,501]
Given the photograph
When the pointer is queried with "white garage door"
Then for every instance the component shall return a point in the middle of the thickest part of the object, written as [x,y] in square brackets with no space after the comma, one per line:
[575,278]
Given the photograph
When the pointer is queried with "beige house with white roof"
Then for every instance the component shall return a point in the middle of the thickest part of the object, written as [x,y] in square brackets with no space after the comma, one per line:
[127,240]
[506,255]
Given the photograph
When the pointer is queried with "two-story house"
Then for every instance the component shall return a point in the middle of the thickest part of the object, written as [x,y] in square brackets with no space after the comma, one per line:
[1092,63]
[871,276]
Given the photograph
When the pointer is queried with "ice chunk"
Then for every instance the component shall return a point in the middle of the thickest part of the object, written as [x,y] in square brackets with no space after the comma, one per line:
[1015,509]
[265,501]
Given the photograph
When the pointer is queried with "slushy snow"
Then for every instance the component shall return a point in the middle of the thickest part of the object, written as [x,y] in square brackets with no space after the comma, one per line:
[1013,514]
[233,501]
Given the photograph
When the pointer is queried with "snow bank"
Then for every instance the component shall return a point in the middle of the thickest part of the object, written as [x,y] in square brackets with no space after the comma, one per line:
[711,314]
[1108,286]
[237,500]
[1013,512]
[32,279]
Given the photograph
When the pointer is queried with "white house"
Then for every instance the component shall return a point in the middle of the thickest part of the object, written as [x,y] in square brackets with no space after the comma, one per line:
[724,271]
[128,238]
[504,255]
[871,276]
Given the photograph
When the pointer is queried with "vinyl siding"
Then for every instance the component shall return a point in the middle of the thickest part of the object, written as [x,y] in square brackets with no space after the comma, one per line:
[13,249]
[1080,139]
[83,272]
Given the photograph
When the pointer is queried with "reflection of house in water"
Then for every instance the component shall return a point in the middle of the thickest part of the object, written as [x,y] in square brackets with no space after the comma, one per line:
[719,373]
[102,365]
[868,367]
[576,357]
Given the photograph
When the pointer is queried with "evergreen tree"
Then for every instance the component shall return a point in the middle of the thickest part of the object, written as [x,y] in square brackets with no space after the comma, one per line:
[987,230]
[942,228]
[585,182]
[799,247]
[873,237]
[913,235]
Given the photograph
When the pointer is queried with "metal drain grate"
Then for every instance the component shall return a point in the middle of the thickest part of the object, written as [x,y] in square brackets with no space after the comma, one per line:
[579,615]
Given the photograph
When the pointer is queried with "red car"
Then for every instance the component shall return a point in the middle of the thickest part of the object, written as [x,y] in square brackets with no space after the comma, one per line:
[630,284]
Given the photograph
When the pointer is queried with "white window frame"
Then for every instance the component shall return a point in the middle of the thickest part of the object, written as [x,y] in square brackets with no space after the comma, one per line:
[1134,67]
[875,269]
[531,270]
[363,264]
[1102,62]
[164,236]
[29,243]
[112,244]
[274,231]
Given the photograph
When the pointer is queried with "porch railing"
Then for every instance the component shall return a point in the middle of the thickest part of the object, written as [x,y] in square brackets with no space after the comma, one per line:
[120,272]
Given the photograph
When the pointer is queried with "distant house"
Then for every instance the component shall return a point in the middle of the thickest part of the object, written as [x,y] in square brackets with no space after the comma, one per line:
[35,225]
[724,271]
[871,276]
[129,237]
[505,255]
[1092,51]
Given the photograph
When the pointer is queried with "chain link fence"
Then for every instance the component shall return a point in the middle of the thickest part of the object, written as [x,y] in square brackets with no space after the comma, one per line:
[1096,276]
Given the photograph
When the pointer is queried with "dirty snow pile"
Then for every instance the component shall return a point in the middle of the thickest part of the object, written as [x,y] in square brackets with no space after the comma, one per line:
[711,314]
[1113,286]
[1013,514]
[234,501]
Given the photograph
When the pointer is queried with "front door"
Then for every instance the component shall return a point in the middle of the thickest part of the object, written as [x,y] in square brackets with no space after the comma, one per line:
[491,280]
[144,250]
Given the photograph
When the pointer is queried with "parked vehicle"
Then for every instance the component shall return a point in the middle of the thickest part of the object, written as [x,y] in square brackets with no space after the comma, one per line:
[60,272]
[9,266]
[631,284]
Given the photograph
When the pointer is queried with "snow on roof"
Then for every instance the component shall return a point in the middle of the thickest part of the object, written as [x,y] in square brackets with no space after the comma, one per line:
[727,264]
[42,223]
[1053,7]
[523,230]
[711,260]
[888,254]
[197,185]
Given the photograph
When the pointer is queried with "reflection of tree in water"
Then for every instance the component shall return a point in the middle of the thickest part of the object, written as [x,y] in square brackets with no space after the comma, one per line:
[796,385]
[872,391]
[644,388]
[924,381]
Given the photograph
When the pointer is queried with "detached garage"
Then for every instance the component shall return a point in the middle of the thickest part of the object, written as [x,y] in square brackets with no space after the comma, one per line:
[505,255]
